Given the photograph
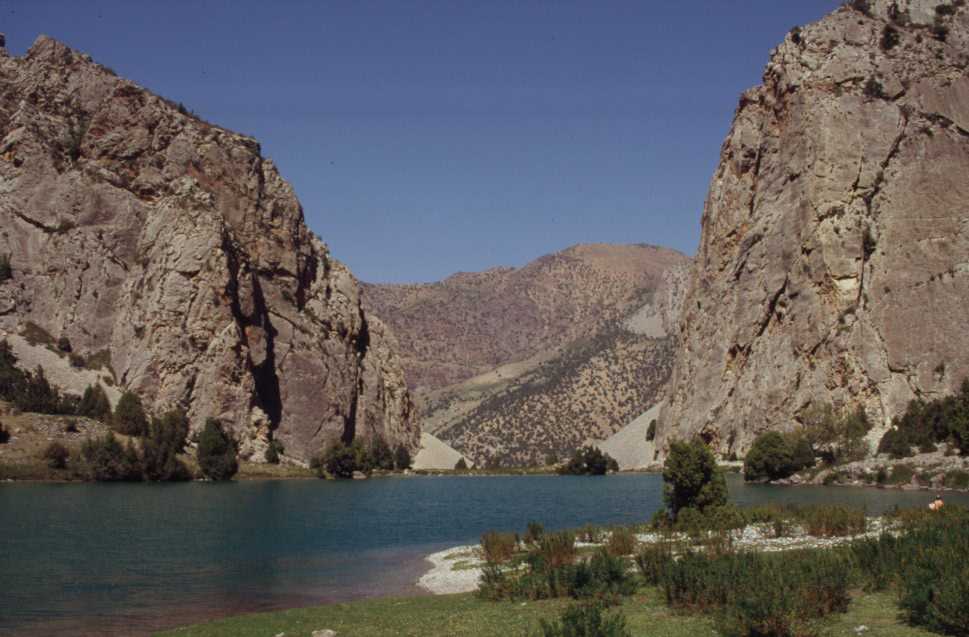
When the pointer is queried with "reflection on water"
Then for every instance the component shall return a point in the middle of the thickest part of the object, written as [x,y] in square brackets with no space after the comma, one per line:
[106,559]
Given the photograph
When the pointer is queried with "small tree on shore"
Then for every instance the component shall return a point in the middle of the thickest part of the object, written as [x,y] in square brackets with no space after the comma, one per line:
[129,415]
[402,458]
[56,455]
[692,478]
[217,453]
[94,404]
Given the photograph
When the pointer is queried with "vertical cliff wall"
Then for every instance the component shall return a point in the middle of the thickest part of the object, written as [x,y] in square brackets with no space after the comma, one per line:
[171,251]
[834,259]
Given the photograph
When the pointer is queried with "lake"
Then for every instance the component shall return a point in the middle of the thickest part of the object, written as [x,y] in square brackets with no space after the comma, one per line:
[127,559]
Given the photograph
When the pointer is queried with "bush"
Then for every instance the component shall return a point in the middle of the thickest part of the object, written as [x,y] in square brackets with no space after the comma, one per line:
[890,38]
[461,465]
[30,391]
[926,423]
[129,415]
[831,520]
[56,455]
[217,452]
[651,431]
[165,440]
[6,271]
[4,435]
[586,620]
[402,458]
[534,533]
[692,479]
[589,461]
[556,549]
[769,458]
[106,460]
[498,548]
[341,460]
[874,89]
[956,479]
[837,437]
[896,444]
[95,404]
[622,541]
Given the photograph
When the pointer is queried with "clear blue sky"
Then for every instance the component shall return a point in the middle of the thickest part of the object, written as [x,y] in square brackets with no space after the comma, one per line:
[425,138]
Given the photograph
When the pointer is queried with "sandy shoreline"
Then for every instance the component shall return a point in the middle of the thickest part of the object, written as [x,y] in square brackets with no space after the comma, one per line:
[442,579]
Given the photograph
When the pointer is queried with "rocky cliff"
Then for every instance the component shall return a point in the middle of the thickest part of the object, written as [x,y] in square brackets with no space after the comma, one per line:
[834,258]
[171,252]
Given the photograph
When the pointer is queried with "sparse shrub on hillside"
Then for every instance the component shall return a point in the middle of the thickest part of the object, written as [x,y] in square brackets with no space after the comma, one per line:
[692,479]
[874,89]
[129,415]
[56,455]
[461,465]
[217,452]
[6,271]
[890,38]
[64,345]
[106,460]
[651,431]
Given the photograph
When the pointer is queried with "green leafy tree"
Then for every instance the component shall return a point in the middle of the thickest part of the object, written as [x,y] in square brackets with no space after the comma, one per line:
[95,404]
[217,453]
[402,458]
[165,440]
[129,415]
[692,478]
[769,457]
[651,431]
[461,464]
[106,460]
[339,460]
[381,455]
[589,460]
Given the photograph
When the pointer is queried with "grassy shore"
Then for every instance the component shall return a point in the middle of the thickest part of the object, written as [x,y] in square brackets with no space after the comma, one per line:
[465,614]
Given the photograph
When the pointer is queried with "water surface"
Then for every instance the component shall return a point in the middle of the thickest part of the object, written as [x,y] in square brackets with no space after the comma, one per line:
[126,559]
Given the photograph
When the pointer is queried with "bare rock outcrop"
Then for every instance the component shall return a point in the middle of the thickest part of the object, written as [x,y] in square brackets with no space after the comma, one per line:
[173,252]
[834,259]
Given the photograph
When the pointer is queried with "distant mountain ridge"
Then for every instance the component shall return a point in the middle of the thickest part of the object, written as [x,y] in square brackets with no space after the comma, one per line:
[571,346]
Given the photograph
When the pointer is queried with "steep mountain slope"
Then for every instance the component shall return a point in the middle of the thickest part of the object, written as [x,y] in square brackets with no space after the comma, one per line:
[170,252]
[471,323]
[834,259]
[558,398]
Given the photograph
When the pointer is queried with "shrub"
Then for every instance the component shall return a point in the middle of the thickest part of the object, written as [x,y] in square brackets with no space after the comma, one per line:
[77,361]
[4,435]
[691,478]
[874,89]
[56,455]
[217,452]
[129,415]
[622,541]
[95,404]
[901,474]
[586,620]
[6,271]
[498,548]
[890,38]
[165,440]
[653,560]
[896,444]
[273,451]
[651,431]
[556,549]
[64,345]
[590,461]
[106,460]
[956,479]
[461,465]
[831,520]
[769,458]
[402,459]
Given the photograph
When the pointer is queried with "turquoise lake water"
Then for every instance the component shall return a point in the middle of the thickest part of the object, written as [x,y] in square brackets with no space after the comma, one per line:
[127,559]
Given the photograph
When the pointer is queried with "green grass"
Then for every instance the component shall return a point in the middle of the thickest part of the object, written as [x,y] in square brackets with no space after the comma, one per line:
[447,615]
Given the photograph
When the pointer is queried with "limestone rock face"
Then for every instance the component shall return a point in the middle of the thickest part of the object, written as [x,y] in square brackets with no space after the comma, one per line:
[170,249]
[834,259]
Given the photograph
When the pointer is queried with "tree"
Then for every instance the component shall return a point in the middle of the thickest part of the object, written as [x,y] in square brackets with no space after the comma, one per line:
[402,459]
[129,415]
[56,455]
[461,464]
[651,431]
[692,478]
[4,435]
[339,461]
[769,458]
[165,440]
[381,455]
[6,272]
[273,451]
[217,452]
[590,461]
[95,404]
